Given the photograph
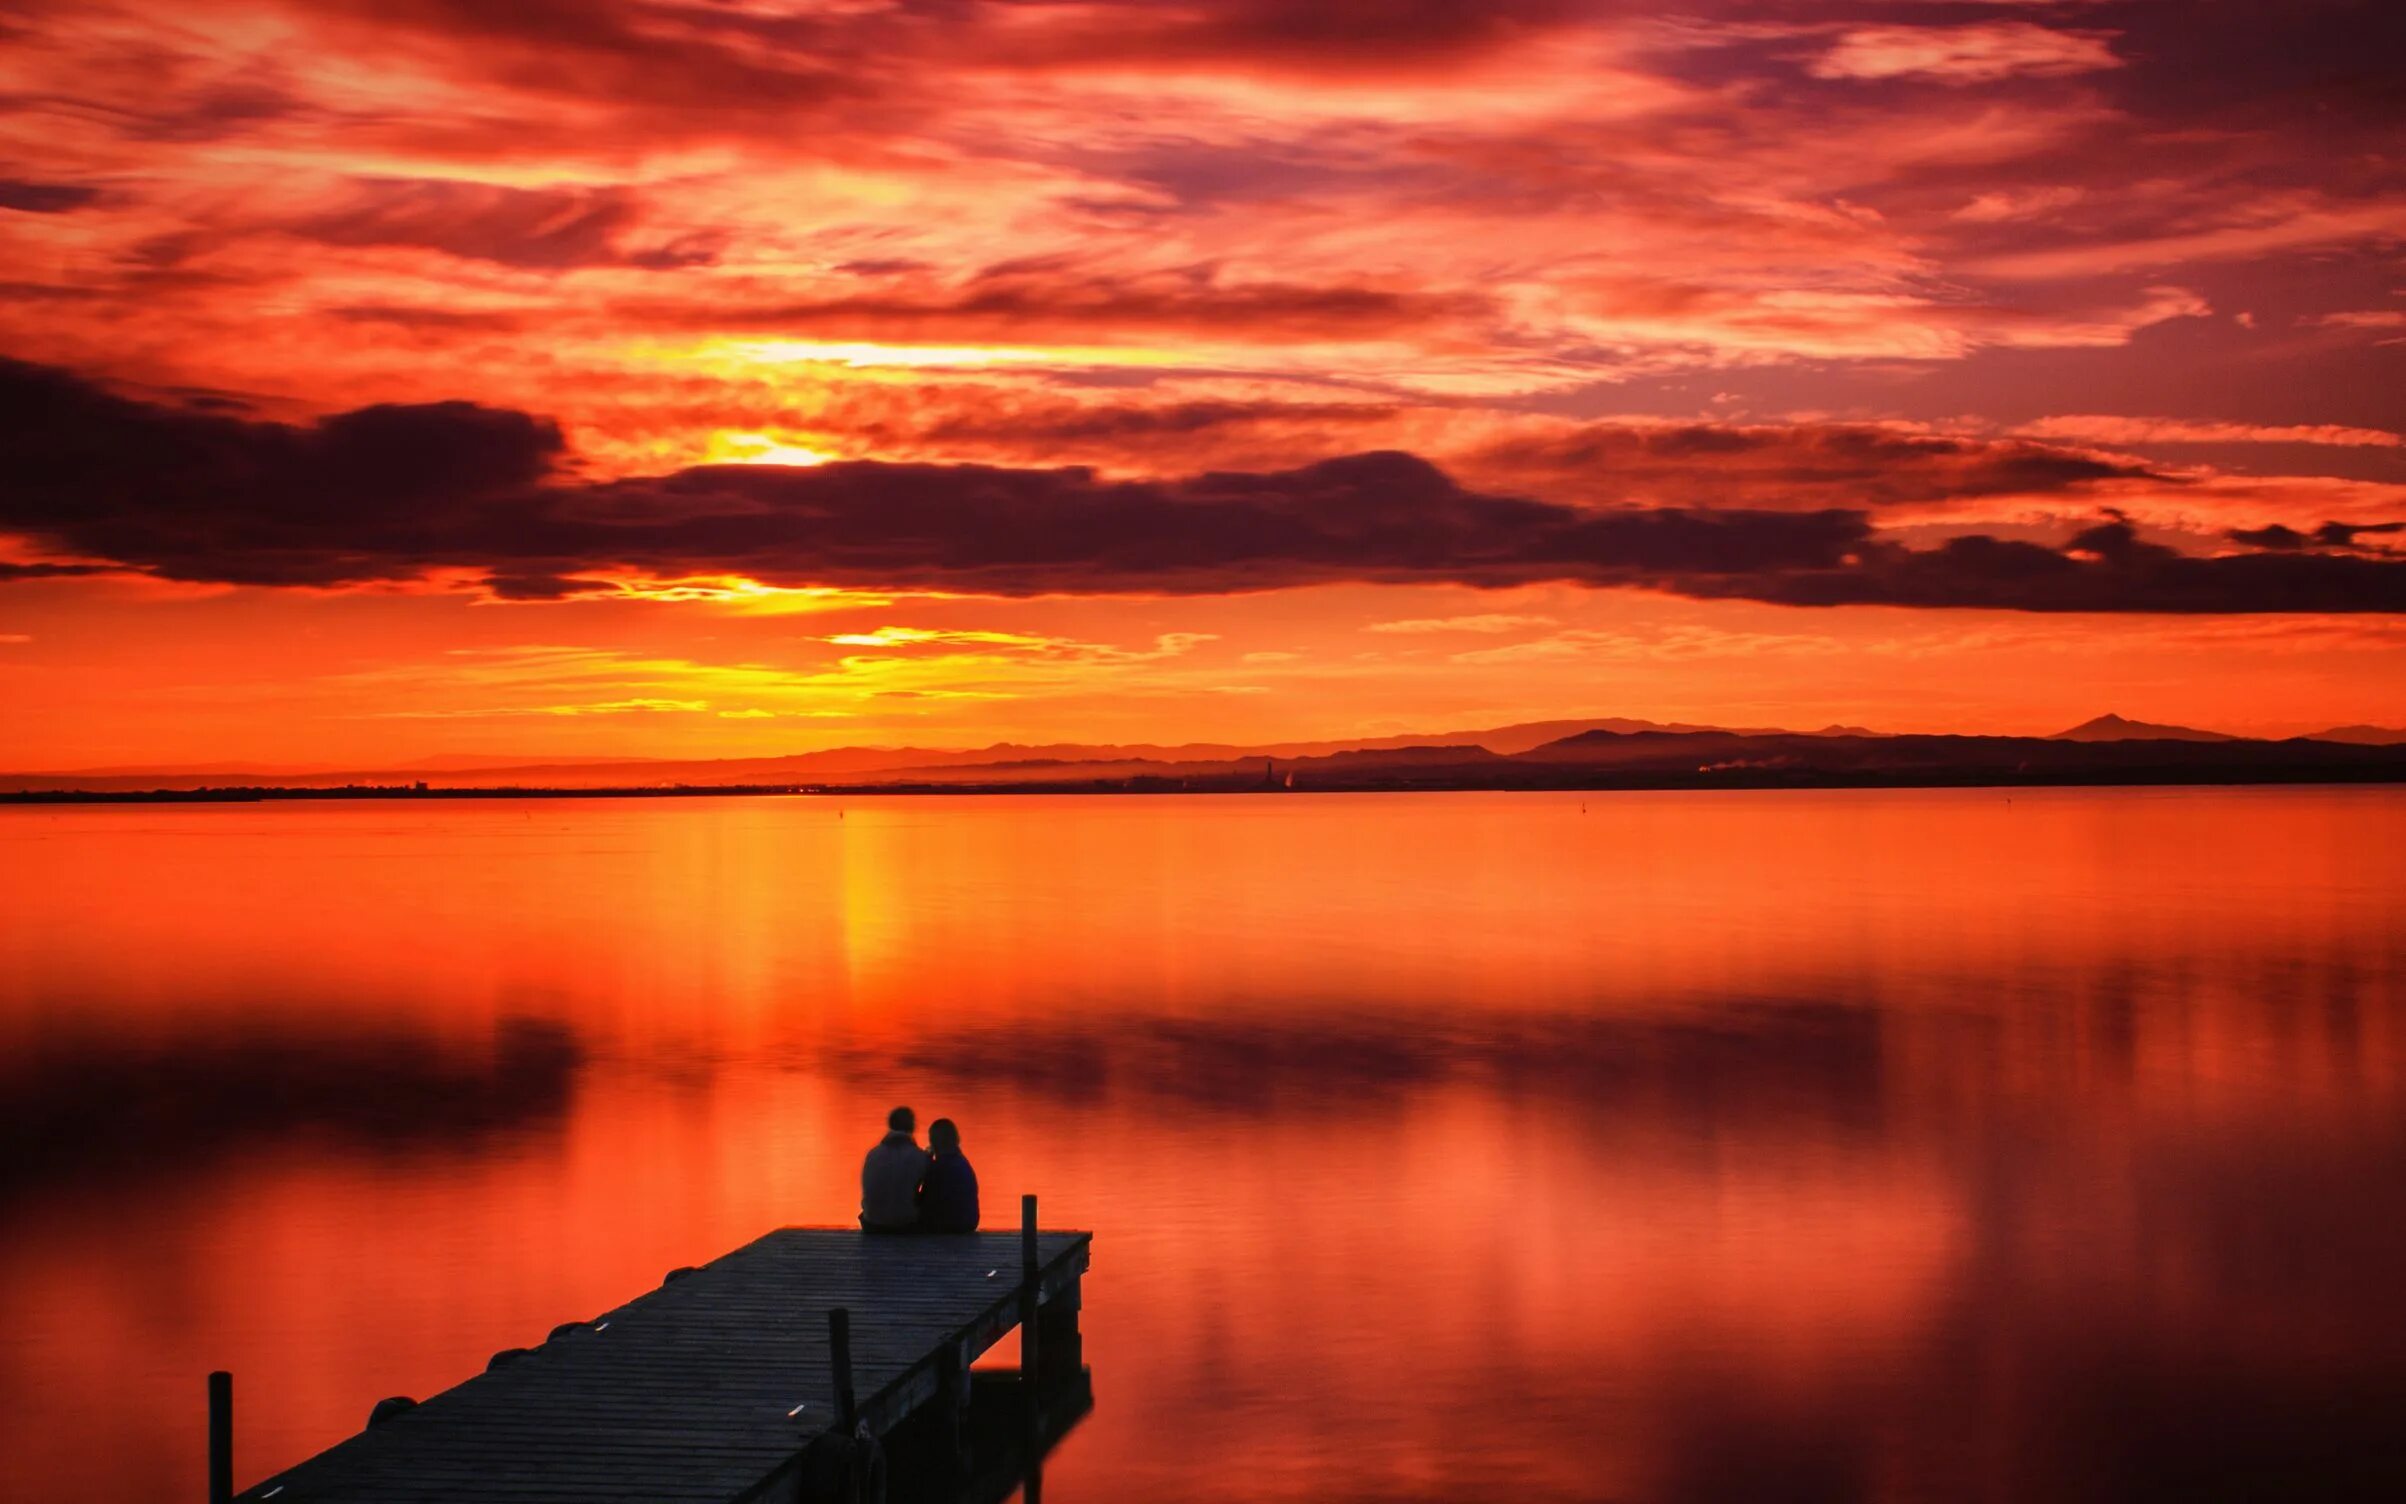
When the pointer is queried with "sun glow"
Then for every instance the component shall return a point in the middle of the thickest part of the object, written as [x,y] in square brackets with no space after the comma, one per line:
[739,447]
[748,594]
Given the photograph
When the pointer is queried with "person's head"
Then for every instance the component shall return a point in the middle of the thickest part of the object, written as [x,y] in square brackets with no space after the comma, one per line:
[943,1137]
[902,1120]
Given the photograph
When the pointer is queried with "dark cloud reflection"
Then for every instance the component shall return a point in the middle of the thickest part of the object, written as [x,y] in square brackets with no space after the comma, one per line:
[83,1107]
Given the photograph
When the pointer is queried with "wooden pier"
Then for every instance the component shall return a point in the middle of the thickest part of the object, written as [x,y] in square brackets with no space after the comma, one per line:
[782,1372]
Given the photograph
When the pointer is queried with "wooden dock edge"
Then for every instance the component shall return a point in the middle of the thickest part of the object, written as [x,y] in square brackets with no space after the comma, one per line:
[943,1375]
[845,1463]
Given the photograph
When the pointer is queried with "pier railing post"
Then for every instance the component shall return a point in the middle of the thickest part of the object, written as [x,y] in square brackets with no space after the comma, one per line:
[839,1339]
[1028,1274]
[221,1438]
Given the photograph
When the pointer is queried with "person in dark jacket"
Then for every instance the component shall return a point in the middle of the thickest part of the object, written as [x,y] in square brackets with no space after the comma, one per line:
[890,1176]
[948,1196]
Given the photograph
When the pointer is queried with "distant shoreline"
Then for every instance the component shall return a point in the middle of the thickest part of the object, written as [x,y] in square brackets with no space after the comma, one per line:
[1592,784]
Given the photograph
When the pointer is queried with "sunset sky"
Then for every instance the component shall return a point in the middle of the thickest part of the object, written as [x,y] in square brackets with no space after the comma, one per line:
[390,379]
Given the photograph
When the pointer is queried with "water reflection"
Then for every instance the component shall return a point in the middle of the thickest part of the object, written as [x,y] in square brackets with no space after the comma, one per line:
[1850,1146]
[119,1110]
[1009,1435]
[1820,1061]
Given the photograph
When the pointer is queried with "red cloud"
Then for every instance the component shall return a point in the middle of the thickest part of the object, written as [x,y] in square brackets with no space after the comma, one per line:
[1980,53]
[549,229]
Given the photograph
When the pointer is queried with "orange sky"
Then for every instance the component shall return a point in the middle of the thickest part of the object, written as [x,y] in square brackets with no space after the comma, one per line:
[398,378]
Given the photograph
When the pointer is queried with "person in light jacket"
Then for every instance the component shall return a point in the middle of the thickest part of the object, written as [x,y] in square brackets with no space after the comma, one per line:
[890,1176]
[948,1196]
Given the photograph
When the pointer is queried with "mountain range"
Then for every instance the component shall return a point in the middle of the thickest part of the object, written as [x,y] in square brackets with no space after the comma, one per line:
[1595,752]
[833,764]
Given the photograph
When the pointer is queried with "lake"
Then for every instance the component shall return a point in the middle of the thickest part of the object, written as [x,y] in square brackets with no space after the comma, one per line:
[1877,1145]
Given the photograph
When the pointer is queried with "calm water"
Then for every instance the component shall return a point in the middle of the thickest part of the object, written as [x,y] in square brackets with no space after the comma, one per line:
[1883,1145]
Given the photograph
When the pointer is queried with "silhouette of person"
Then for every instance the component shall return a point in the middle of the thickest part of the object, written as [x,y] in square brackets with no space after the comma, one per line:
[948,1196]
[890,1176]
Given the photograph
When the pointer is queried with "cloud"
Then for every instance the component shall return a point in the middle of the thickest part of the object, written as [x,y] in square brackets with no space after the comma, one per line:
[2001,204]
[2259,226]
[895,637]
[1344,39]
[2106,567]
[993,646]
[2386,321]
[206,496]
[441,490]
[2331,535]
[1796,465]
[2098,428]
[596,707]
[44,198]
[1488,622]
[685,66]
[1985,52]
[590,209]
[43,571]
[1664,644]
[1051,299]
[804,678]
[536,229]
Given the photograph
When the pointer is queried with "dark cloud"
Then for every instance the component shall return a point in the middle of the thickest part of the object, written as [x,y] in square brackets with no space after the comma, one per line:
[409,316]
[9,571]
[1815,464]
[752,72]
[1053,299]
[730,58]
[2104,568]
[44,198]
[1380,516]
[210,496]
[2338,535]
[2278,535]
[1339,37]
[385,493]
[547,229]
[1025,422]
[542,587]
[213,114]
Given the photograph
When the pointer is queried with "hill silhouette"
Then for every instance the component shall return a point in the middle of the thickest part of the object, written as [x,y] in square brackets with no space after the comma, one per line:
[2113,728]
[2364,736]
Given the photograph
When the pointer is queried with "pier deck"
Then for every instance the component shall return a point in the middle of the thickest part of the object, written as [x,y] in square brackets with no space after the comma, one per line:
[712,1388]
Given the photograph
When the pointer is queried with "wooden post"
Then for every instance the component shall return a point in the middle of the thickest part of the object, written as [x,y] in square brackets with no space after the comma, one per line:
[1057,1326]
[221,1438]
[1028,1268]
[952,1410]
[1031,1350]
[839,1337]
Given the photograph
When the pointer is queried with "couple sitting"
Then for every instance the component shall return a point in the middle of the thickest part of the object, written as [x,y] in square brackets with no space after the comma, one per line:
[904,1188]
